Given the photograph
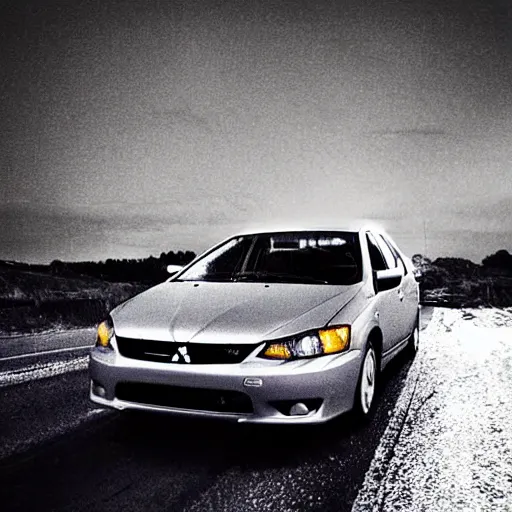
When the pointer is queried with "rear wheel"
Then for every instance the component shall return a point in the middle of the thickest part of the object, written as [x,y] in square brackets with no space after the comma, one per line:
[367,386]
[414,339]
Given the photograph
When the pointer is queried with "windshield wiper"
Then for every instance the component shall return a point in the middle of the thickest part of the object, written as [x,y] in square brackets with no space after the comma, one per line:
[262,275]
[256,276]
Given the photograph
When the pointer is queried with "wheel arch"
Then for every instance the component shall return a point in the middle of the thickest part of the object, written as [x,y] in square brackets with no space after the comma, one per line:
[374,336]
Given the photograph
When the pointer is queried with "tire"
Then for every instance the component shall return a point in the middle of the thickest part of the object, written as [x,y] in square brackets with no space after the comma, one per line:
[366,391]
[414,339]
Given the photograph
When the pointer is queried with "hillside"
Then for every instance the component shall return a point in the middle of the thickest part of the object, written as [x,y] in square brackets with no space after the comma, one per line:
[35,301]
[64,295]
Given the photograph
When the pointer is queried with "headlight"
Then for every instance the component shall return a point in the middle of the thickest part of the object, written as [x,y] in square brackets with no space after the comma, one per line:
[105,333]
[316,343]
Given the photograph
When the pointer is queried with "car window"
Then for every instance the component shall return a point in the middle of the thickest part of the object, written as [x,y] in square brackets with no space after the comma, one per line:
[399,261]
[376,258]
[221,263]
[315,257]
[334,258]
[386,252]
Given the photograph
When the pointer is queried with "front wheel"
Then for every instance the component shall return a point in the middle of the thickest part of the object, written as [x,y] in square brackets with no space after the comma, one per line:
[367,386]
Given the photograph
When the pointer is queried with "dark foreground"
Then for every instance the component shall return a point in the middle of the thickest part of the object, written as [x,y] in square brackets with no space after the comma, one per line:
[60,455]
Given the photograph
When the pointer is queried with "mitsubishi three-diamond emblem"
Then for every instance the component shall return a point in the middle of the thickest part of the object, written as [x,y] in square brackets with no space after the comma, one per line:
[181,356]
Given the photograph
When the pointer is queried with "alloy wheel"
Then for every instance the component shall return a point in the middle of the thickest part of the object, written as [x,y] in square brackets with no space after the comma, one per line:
[368,381]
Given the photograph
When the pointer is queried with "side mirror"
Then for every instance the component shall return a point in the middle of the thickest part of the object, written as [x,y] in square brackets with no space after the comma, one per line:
[388,279]
[173,269]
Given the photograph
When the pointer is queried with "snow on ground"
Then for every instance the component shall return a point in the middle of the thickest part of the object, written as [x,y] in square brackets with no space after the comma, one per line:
[47,341]
[449,447]
[42,371]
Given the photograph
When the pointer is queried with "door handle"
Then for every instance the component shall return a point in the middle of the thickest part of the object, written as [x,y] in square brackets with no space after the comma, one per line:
[400,294]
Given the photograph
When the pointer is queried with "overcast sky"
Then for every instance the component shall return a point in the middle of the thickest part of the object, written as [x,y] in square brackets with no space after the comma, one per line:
[128,128]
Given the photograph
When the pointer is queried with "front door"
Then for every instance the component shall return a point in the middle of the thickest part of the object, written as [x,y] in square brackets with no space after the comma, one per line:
[390,303]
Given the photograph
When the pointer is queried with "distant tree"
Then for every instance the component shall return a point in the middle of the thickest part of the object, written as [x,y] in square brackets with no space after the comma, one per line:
[57,267]
[501,259]
[458,267]
[422,264]
[148,270]
[416,260]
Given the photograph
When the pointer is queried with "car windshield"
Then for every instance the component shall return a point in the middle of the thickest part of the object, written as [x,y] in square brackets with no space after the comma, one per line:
[308,257]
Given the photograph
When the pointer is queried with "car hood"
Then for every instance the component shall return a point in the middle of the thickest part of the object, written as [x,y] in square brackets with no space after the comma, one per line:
[206,312]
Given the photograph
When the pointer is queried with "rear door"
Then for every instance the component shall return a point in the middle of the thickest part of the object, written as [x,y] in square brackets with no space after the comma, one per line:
[390,304]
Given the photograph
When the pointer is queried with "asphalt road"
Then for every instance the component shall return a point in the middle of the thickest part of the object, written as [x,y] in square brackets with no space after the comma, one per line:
[59,453]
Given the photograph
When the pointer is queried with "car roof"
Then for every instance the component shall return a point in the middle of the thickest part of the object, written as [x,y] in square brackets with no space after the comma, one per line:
[351,227]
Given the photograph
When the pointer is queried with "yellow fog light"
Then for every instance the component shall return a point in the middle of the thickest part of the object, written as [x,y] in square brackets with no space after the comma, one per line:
[335,340]
[105,333]
[277,351]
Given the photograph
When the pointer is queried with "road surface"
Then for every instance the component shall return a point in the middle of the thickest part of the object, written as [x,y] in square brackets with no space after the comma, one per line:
[59,453]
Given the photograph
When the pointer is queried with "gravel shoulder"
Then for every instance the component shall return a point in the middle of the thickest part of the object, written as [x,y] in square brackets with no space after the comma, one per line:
[448,446]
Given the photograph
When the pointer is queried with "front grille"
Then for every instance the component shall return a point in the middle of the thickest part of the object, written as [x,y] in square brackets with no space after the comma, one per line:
[184,353]
[195,399]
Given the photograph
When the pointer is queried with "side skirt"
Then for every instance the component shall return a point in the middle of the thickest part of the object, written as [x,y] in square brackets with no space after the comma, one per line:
[392,352]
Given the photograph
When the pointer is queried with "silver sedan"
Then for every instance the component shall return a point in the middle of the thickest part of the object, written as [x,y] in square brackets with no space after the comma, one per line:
[288,326]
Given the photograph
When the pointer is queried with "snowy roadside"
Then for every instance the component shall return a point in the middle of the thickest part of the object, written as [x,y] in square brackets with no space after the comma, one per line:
[448,446]
[42,371]
[36,343]
[56,330]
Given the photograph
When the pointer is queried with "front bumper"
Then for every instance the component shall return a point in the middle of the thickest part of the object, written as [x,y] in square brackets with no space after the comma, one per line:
[271,386]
